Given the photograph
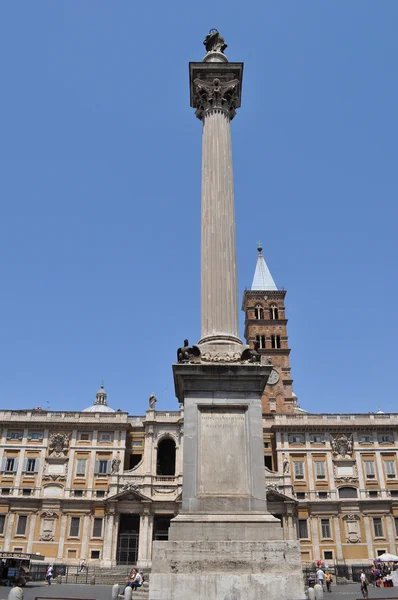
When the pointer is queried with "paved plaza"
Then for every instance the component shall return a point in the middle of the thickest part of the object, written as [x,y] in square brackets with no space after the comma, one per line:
[104,592]
[40,590]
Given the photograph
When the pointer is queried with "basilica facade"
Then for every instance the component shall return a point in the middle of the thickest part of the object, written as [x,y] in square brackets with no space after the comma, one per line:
[102,485]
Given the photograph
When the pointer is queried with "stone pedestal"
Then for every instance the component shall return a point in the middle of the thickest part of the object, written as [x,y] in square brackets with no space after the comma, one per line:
[224,545]
[226,571]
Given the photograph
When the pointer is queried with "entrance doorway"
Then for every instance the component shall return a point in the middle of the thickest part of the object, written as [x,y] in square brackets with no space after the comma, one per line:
[127,543]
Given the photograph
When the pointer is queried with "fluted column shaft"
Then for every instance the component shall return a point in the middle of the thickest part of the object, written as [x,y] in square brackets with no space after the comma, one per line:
[219,274]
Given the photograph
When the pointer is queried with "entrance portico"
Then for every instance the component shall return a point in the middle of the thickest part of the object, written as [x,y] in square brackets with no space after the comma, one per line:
[132,522]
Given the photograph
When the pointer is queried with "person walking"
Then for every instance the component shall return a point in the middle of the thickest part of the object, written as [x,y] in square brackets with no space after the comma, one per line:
[364,585]
[49,574]
[320,576]
[328,579]
[83,566]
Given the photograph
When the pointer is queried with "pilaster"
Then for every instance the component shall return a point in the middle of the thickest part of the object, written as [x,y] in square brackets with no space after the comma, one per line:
[337,534]
[85,535]
[145,540]
[9,528]
[315,537]
[31,535]
[63,524]
[108,537]
[369,535]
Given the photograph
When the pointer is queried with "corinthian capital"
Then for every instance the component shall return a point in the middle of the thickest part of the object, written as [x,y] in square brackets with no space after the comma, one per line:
[214,95]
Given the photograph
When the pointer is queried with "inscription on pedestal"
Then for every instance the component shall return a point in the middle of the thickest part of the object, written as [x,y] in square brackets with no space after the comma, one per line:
[222,452]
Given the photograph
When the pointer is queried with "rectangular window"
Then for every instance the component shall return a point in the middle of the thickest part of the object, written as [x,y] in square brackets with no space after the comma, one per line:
[100,494]
[106,437]
[81,465]
[74,527]
[2,523]
[378,526]
[78,493]
[370,471]
[5,491]
[317,439]
[300,495]
[365,439]
[296,438]
[11,465]
[389,466]
[386,438]
[325,527]
[95,553]
[396,526]
[22,522]
[303,528]
[26,492]
[84,436]
[14,435]
[30,465]
[320,469]
[102,467]
[298,469]
[328,554]
[35,435]
[97,527]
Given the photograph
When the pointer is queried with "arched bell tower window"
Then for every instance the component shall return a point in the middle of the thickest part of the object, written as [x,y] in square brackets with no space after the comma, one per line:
[273,312]
[275,341]
[260,339]
[259,312]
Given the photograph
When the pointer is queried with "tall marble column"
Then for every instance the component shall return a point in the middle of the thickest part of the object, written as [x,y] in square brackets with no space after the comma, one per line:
[215,93]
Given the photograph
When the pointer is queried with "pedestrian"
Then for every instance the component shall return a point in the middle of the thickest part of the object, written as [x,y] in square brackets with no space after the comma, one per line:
[49,574]
[320,576]
[328,579]
[83,566]
[17,592]
[364,585]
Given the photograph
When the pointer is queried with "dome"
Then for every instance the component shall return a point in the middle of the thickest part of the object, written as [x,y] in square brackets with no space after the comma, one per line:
[100,404]
[103,408]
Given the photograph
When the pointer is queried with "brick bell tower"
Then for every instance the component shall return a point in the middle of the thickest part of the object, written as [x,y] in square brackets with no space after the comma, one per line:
[266,324]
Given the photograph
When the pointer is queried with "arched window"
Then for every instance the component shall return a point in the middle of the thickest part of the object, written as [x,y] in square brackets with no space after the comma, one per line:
[275,341]
[348,492]
[259,312]
[260,339]
[273,312]
[166,461]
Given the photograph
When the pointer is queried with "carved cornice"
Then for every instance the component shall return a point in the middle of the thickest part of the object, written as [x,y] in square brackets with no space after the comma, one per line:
[216,95]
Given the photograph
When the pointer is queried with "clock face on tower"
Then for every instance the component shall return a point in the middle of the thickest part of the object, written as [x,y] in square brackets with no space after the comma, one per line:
[273,377]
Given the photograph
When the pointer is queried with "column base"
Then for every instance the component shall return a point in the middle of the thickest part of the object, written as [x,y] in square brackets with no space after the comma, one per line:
[225,527]
[227,570]
[221,339]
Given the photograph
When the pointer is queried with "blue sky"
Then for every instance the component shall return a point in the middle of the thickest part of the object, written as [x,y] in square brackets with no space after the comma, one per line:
[100,193]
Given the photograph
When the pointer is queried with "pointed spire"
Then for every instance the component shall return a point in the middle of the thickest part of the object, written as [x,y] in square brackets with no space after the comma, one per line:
[262,280]
[101,396]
